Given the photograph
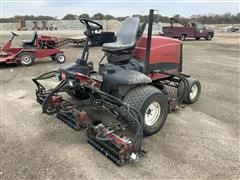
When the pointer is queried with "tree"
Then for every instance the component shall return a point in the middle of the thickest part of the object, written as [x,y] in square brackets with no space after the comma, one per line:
[144,18]
[177,16]
[107,17]
[165,19]
[121,18]
[226,18]
[98,16]
[137,15]
[69,17]
[86,16]
[7,20]
[236,19]
[42,18]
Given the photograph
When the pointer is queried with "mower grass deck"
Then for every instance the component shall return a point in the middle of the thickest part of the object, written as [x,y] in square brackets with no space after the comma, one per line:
[108,136]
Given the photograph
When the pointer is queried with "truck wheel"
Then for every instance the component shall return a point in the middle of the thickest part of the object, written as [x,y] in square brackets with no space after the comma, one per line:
[197,38]
[60,58]
[209,37]
[26,58]
[182,37]
[193,92]
[152,104]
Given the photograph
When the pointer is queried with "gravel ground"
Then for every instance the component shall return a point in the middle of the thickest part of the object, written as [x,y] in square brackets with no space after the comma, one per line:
[199,142]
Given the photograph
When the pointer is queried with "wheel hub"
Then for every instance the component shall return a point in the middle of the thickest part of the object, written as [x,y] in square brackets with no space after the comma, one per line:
[152,113]
[194,91]
[26,59]
[61,58]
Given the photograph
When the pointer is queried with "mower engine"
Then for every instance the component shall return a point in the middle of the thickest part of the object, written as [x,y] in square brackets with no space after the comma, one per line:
[47,41]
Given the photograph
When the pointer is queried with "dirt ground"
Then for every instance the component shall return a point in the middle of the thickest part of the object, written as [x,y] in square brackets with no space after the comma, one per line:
[199,142]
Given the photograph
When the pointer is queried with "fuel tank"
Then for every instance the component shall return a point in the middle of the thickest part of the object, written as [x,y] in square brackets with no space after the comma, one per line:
[165,53]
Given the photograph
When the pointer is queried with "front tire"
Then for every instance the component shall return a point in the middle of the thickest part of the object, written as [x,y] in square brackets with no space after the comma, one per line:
[152,104]
[26,58]
[192,93]
[60,58]
[182,37]
[209,37]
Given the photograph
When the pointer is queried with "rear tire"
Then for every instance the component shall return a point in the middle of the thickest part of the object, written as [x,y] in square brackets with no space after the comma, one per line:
[209,37]
[60,58]
[197,38]
[193,92]
[26,58]
[152,104]
[182,37]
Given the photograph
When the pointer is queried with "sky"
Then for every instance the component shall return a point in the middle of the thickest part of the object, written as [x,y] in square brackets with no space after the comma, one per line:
[59,8]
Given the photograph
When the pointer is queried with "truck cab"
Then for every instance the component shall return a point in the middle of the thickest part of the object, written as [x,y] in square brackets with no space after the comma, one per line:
[201,31]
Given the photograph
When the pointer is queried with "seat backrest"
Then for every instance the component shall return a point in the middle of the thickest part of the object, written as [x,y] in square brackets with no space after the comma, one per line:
[128,32]
[34,36]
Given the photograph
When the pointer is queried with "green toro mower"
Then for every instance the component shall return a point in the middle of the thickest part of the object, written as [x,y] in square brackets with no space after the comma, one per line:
[131,85]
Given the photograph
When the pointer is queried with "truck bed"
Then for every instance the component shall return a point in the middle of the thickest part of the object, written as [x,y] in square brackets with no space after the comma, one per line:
[175,32]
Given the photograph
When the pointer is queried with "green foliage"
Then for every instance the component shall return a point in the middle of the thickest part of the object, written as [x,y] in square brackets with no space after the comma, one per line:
[121,18]
[26,17]
[86,16]
[98,16]
[108,17]
[8,20]
[226,18]
[69,17]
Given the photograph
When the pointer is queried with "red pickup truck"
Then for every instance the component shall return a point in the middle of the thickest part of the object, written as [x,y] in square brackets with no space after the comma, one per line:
[190,30]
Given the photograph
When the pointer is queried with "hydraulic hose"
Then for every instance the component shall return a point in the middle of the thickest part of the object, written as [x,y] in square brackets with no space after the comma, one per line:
[49,96]
[139,131]
[109,98]
[47,75]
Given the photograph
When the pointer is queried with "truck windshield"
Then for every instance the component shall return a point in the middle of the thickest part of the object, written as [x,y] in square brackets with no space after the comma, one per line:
[200,26]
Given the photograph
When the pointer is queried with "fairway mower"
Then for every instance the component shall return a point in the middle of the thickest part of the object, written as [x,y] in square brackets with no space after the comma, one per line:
[131,86]
[39,46]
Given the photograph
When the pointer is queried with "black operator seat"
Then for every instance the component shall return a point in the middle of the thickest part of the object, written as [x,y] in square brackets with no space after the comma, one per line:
[126,36]
[30,42]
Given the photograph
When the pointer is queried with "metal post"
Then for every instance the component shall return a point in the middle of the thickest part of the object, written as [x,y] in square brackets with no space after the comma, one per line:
[149,39]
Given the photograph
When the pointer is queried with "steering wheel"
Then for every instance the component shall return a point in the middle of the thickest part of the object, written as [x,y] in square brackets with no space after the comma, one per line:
[91,25]
[14,34]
